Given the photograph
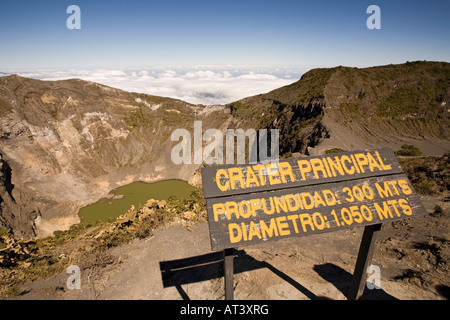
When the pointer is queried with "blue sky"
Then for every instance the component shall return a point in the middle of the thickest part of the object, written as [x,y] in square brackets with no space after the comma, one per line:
[213,52]
[33,34]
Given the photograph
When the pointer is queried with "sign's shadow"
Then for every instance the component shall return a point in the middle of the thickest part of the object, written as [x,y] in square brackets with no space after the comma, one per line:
[209,266]
[341,279]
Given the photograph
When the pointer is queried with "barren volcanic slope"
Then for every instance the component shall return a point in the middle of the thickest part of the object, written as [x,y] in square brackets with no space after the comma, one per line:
[65,144]
[357,108]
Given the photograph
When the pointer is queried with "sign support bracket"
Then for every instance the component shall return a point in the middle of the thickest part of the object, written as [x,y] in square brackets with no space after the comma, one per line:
[228,264]
[365,254]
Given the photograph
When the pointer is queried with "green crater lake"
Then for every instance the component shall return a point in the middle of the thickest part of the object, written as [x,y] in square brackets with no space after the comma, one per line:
[137,194]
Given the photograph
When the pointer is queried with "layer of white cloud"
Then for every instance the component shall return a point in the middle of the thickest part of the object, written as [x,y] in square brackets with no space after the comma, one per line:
[209,85]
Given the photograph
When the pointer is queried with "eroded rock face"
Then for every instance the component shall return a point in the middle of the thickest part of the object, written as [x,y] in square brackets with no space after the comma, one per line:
[68,143]
[17,211]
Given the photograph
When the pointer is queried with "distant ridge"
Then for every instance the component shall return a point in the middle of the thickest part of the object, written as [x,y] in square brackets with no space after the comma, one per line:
[376,105]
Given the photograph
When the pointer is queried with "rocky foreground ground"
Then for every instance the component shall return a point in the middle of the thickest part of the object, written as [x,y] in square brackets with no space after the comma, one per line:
[175,262]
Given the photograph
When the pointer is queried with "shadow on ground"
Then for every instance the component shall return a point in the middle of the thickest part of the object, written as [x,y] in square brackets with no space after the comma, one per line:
[341,279]
[176,273]
[210,266]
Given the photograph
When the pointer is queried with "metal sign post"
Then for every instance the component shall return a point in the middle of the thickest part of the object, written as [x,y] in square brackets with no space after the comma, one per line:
[365,254]
[228,264]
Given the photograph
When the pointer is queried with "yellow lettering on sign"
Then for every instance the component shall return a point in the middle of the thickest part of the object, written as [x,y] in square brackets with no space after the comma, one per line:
[280,203]
[361,160]
[336,166]
[293,218]
[255,204]
[384,191]
[330,197]
[247,212]
[327,167]
[384,166]
[393,203]
[251,178]
[305,220]
[244,231]
[317,167]
[273,173]
[352,168]
[304,167]
[235,232]
[286,170]
[232,207]
[268,231]
[236,176]
[354,163]
[299,198]
[405,188]
[282,225]
[373,163]
[292,202]
[403,203]
[218,208]
[318,200]
[385,212]
[318,220]
[305,196]
[260,168]
[226,185]
[253,231]
[393,184]
[272,207]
